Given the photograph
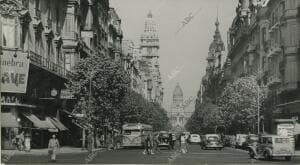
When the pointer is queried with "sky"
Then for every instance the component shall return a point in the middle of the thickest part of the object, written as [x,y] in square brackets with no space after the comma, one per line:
[182,54]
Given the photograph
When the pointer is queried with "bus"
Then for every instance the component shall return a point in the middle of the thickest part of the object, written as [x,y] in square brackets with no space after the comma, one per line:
[134,134]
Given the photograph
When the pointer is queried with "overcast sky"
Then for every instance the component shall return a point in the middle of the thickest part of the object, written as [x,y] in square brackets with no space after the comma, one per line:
[182,55]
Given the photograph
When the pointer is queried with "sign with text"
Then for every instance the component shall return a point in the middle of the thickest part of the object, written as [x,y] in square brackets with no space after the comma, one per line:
[14,72]
[285,129]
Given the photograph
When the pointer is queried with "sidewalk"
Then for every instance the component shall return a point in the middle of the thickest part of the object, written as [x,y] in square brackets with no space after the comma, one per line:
[44,151]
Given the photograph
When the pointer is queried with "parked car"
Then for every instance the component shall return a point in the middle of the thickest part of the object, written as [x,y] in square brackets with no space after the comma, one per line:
[212,141]
[271,146]
[240,140]
[194,139]
[164,140]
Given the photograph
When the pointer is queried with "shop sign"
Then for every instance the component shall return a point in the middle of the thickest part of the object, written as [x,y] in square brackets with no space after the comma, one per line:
[10,100]
[14,72]
[66,94]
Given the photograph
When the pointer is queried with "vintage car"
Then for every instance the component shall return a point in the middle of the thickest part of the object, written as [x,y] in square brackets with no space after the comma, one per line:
[194,139]
[270,146]
[211,141]
[164,139]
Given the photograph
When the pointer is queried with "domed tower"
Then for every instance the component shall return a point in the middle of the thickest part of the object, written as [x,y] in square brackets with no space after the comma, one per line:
[177,115]
[177,96]
[149,47]
[216,48]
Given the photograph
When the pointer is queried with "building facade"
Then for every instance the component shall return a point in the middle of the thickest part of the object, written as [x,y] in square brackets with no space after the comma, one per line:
[115,36]
[263,40]
[177,115]
[46,39]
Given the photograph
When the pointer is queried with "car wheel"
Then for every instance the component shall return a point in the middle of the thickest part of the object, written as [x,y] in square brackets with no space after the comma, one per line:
[267,156]
[288,158]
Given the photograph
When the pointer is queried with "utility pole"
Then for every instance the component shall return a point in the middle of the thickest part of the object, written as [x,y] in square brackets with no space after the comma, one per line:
[258,107]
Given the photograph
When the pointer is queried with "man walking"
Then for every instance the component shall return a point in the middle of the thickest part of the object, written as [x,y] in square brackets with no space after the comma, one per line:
[53,147]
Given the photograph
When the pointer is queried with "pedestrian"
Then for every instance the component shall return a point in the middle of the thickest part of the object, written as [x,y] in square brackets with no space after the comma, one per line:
[146,145]
[53,148]
[173,140]
[21,141]
[90,142]
[156,144]
[151,144]
[170,139]
[183,148]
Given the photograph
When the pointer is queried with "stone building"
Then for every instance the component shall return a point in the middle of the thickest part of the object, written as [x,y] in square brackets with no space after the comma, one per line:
[177,115]
[132,60]
[47,38]
[263,40]
[149,47]
[115,35]
[214,68]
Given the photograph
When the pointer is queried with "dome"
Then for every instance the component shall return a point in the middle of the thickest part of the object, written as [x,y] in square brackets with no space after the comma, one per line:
[177,91]
[177,96]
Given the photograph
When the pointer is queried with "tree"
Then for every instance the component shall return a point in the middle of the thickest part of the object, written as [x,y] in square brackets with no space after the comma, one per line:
[239,103]
[108,83]
[136,109]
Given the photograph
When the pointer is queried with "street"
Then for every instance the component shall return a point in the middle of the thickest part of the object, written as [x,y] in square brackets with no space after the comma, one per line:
[135,156]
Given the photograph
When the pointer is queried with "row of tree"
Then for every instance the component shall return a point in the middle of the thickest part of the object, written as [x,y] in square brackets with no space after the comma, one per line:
[232,109]
[102,89]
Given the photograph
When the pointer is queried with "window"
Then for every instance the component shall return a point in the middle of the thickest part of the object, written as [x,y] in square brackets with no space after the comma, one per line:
[8,32]
[132,132]
[68,61]
[281,140]
[149,50]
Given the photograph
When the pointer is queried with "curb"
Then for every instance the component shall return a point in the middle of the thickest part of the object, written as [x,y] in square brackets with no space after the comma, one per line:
[12,153]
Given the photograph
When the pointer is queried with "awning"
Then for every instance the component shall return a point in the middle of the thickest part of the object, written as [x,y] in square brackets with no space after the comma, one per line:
[9,120]
[45,124]
[57,123]
[19,105]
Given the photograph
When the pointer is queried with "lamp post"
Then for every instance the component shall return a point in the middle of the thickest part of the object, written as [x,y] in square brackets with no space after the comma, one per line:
[258,107]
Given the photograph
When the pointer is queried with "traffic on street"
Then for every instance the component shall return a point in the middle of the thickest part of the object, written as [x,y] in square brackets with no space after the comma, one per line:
[150,81]
[195,155]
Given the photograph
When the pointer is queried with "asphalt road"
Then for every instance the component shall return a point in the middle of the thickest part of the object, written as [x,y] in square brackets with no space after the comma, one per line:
[134,156]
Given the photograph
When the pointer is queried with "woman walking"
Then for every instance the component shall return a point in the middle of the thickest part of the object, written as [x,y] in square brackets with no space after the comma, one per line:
[183,148]
[53,148]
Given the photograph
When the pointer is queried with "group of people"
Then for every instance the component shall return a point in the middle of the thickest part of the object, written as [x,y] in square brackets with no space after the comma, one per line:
[19,140]
[152,141]
[151,144]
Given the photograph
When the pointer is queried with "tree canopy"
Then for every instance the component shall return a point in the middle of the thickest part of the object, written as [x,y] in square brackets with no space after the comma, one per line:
[110,98]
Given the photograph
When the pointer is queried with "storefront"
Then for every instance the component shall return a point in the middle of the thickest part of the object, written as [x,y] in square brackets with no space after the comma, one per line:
[18,117]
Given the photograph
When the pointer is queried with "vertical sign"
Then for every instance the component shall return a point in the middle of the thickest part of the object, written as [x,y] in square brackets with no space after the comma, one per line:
[14,72]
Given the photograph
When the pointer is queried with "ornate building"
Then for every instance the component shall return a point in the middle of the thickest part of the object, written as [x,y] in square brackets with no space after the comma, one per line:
[263,40]
[48,37]
[149,47]
[177,115]
[214,66]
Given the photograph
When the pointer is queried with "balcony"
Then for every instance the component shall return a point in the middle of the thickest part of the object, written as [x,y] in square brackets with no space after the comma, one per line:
[274,51]
[48,65]
[273,80]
